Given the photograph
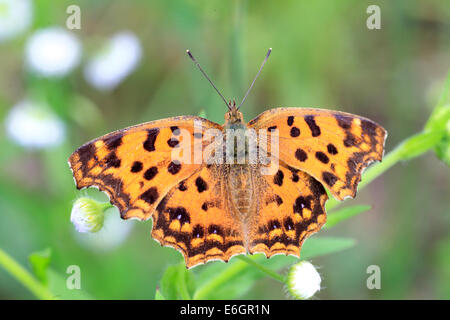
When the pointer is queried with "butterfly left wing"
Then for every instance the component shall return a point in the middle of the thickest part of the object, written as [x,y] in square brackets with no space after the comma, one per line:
[291,207]
[135,166]
[333,147]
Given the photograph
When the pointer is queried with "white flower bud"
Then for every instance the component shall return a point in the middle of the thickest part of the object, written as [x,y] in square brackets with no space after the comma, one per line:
[33,125]
[15,18]
[87,215]
[303,280]
[52,52]
[112,64]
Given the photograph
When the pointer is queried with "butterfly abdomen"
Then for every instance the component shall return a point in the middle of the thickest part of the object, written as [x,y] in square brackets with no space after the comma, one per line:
[241,189]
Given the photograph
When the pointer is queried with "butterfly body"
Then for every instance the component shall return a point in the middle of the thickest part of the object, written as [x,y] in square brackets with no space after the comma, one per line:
[227,202]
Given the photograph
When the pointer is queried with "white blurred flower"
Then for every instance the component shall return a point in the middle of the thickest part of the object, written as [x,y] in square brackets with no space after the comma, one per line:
[116,60]
[52,52]
[34,125]
[114,232]
[15,17]
[87,215]
[303,280]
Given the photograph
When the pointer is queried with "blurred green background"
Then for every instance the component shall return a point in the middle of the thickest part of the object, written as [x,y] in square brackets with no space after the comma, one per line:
[323,56]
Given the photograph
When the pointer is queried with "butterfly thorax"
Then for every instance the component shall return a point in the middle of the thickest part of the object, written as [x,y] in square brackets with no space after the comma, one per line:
[234,116]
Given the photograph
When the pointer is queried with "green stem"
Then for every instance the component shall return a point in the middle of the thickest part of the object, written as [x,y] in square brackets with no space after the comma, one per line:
[24,277]
[267,271]
[105,206]
[232,271]
[229,273]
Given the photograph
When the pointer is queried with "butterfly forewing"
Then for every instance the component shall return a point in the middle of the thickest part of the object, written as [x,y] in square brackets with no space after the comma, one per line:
[135,166]
[334,147]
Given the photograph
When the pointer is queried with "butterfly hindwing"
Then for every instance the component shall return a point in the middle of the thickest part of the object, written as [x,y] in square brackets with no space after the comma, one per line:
[195,218]
[134,166]
[291,207]
[333,147]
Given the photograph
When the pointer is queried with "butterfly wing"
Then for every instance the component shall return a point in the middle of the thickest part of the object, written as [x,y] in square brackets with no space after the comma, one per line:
[135,166]
[291,207]
[195,218]
[333,147]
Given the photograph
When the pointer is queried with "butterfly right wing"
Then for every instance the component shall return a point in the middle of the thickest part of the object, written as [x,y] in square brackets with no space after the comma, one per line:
[135,166]
[334,147]
[291,207]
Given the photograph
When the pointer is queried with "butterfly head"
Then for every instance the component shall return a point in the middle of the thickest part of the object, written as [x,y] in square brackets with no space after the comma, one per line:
[233,116]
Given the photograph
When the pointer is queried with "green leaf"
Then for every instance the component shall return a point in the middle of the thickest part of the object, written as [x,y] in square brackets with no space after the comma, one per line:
[439,118]
[441,121]
[340,215]
[420,143]
[316,247]
[168,283]
[57,283]
[39,264]
[177,283]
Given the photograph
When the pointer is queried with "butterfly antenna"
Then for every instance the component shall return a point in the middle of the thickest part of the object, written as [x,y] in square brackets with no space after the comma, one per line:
[256,77]
[206,76]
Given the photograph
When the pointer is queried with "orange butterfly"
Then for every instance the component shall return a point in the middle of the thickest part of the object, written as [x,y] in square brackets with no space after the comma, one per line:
[213,210]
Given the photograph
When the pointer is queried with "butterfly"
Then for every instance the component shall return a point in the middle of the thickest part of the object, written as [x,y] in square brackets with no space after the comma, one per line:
[213,209]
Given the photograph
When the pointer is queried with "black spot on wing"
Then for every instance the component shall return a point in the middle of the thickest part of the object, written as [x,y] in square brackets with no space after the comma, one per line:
[322,157]
[149,144]
[311,122]
[114,141]
[274,224]
[201,184]
[295,132]
[150,196]
[316,187]
[331,149]
[112,161]
[175,130]
[174,167]
[150,173]
[278,178]
[198,232]
[136,167]
[329,178]
[350,140]
[215,229]
[369,127]
[343,121]
[278,200]
[288,224]
[182,186]
[302,202]
[301,155]
[172,142]
[86,153]
[290,120]
[180,214]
